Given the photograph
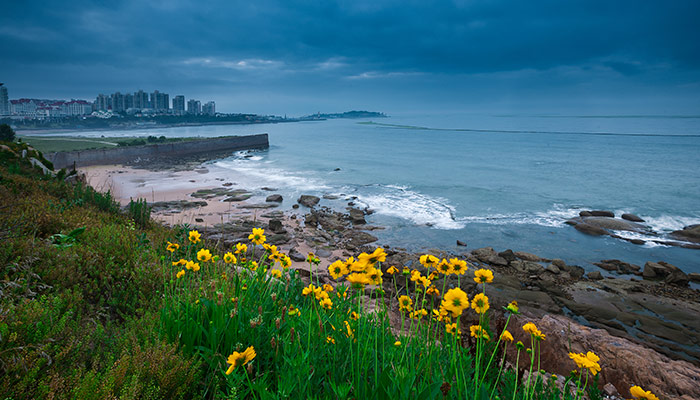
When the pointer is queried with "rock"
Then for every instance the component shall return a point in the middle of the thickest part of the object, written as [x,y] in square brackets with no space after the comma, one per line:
[260,205]
[553,269]
[610,390]
[615,224]
[277,198]
[595,275]
[330,197]
[238,197]
[559,263]
[199,220]
[36,163]
[75,179]
[601,213]
[336,169]
[461,243]
[176,205]
[308,200]
[527,256]
[637,241]
[276,226]
[649,272]
[618,266]
[295,255]
[690,233]
[585,214]
[268,189]
[295,206]
[357,216]
[632,217]
[507,255]
[668,272]
[358,238]
[484,253]
[590,229]
[227,184]
[323,253]
[278,238]
[694,277]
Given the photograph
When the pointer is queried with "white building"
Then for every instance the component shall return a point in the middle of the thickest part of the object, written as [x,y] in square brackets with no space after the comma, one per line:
[4,101]
[209,108]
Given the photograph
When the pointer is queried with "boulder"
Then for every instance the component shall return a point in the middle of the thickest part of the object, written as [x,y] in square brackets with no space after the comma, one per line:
[239,197]
[527,256]
[632,217]
[308,200]
[357,216]
[295,255]
[275,225]
[585,214]
[668,272]
[507,255]
[590,229]
[694,277]
[330,197]
[277,198]
[690,233]
[614,224]
[618,266]
[461,243]
[595,275]
[484,253]
[553,269]
[601,213]
[559,263]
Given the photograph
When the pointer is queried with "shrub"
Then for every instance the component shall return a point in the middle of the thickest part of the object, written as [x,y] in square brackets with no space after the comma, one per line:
[7,134]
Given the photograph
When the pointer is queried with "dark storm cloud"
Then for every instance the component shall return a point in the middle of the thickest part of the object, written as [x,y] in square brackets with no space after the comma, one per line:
[239,44]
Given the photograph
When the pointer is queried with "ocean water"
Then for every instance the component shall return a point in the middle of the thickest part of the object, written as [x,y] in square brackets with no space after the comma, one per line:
[506,181]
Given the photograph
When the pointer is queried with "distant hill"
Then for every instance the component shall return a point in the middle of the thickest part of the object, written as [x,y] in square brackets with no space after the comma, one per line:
[347,114]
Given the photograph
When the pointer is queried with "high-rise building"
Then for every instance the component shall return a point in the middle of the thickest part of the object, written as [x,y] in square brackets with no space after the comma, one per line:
[141,100]
[128,101]
[160,101]
[194,107]
[118,102]
[179,105]
[4,101]
[209,108]
[102,102]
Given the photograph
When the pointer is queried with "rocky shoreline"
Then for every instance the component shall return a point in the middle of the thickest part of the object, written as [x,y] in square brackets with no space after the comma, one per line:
[650,311]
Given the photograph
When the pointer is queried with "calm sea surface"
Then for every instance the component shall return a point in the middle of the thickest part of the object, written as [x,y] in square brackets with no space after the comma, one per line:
[499,180]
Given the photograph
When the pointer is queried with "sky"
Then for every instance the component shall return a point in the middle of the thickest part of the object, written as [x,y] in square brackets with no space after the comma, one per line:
[299,57]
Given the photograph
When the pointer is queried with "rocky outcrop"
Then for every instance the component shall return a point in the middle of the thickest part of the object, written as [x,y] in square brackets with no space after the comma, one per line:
[624,363]
[690,233]
[277,198]
[669,273]
[632,217]
[619,267]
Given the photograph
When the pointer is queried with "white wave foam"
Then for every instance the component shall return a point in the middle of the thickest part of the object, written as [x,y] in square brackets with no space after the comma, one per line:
[253,173]
[649,240]
[398,201]
[669,223]
[554,218]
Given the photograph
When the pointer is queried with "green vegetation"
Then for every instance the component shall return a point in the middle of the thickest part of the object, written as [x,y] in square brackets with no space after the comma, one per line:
[99,303]
[49,144]
[6,133]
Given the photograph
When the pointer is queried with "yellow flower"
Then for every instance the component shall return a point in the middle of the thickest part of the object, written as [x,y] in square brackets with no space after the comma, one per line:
[195,237]
[229,258]
[424,281]
[452,328]
[308,290]
[455,300]
[180,274]
[392,270]
[445,267]
[204,255]
[432,276]
[182,261]
[506,336]
[172,247]
[480,303]
[258,236]
[377,256]
[418,314]
[237,359]
[320,294]
[330,340]
[397,343]
[253,266]
[483,276]
[513,307]
[406,271]
[328,288]
[348,329]
[338,269]
[285,261]
[530,328]
[276,273]
[478,332]
[588,361]
[358,280]
[326,303]
[241,248]
[354,316]
[428,261]
[293,311]
[405,303]
[458,266]
[415,275]
[640,393]
[433,291]
[374,276]
[192,265]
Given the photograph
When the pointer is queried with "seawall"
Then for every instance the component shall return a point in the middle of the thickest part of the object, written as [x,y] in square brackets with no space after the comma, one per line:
[130,154]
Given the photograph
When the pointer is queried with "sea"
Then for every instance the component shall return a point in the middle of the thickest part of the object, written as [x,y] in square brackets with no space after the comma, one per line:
[499,180]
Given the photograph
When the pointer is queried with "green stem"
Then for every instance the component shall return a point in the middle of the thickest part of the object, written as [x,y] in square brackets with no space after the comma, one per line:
[517,365]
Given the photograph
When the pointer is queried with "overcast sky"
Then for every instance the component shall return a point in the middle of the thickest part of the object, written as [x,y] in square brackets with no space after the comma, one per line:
[299,57]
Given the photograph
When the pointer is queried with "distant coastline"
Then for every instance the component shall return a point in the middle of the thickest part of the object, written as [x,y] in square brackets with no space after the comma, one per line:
[125,123]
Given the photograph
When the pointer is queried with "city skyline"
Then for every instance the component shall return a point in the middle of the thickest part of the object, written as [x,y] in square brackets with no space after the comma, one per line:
[579,57]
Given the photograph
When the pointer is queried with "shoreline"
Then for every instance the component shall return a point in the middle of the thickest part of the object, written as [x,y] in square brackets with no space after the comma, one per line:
[654,321]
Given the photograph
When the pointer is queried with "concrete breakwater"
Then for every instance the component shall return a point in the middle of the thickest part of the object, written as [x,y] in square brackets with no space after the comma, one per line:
[129,154]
